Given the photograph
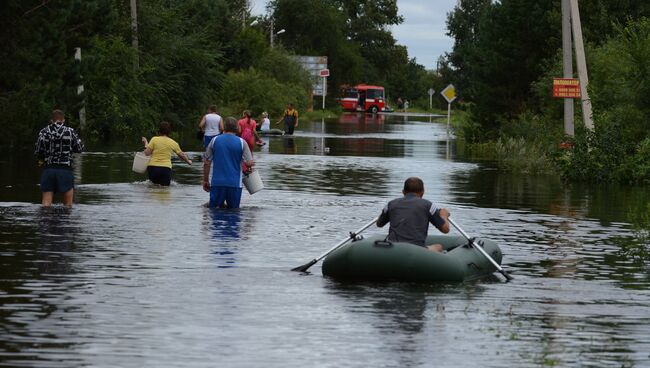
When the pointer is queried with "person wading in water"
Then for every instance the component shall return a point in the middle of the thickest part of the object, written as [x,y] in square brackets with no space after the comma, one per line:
[54,148]
[290,119]
[160,148]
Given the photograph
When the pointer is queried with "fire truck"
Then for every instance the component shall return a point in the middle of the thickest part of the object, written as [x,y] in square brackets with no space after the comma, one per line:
[363,97]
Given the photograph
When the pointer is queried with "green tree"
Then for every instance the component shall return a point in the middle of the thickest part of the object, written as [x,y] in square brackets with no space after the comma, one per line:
[315,27]
[463,26]
[37,68]
[502,55]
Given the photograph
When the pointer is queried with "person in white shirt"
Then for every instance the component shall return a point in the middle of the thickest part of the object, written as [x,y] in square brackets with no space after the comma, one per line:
[266,123]
[211,125]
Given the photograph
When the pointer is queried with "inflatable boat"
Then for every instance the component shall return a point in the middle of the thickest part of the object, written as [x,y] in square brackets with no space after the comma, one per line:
[376,259]
[271,132]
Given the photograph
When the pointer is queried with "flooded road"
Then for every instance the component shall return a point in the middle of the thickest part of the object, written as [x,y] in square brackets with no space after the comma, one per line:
[136,275]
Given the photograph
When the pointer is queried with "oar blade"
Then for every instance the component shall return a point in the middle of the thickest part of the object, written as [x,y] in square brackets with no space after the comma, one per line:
[305,267]
[506,275]
[476,246]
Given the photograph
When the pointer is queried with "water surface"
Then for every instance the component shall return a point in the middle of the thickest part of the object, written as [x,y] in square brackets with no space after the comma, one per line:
[137,275]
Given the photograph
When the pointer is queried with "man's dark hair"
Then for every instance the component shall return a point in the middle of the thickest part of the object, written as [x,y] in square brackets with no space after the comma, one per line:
[230,125]
[164,128]
[413,185]
[57,113]
[212,108]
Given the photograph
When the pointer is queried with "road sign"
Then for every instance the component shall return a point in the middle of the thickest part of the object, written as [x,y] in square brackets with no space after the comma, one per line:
[566,88]
[313,65]
[431,91]
[449,93]
[325,73]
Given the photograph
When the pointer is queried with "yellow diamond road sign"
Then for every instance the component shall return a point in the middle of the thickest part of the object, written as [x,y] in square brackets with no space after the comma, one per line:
[449,93]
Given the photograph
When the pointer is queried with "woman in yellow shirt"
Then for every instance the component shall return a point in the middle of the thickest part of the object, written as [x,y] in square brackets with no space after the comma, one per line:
[160,149]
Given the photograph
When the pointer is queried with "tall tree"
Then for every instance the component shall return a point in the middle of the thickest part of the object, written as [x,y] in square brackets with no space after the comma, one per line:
[315,27]
[463,25]
[498,57]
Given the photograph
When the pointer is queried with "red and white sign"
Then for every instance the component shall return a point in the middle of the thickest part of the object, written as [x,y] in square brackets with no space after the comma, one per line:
[324,73]
[566,88]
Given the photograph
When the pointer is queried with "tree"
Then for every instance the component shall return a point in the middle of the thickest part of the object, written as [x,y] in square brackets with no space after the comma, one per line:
[463,26]
[315,27]
[38,71]
[501,55]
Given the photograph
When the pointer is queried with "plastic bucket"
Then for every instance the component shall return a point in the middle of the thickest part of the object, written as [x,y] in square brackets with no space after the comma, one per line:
[253,182]
[140,162]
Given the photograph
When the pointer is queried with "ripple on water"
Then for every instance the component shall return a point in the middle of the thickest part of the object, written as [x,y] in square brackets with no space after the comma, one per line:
[139,275]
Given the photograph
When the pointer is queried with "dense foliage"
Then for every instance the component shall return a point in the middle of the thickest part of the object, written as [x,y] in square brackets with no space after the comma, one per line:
[191,53]
[505,56]
[356,37]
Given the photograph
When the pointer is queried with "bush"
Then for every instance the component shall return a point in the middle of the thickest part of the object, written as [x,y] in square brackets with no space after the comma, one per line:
[252,90]
[604,155]
[522,156]
[119,104]
[638,165]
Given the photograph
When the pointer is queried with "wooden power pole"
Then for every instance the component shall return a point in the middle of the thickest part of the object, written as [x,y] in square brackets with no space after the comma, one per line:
[80,90]
[567,62]
[134,33]
[581,63]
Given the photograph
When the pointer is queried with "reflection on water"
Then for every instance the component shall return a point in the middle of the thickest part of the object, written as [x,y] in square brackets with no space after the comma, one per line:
[289,146]
[160,194]
[225,224]
[137,275]
[225,229]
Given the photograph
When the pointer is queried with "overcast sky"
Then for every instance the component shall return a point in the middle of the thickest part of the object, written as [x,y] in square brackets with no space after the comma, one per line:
[423,30]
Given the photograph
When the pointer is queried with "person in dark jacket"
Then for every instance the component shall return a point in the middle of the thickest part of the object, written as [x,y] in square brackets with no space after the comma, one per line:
[55,146]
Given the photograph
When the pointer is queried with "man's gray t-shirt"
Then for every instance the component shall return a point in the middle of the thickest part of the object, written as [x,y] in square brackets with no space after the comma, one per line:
[409,219]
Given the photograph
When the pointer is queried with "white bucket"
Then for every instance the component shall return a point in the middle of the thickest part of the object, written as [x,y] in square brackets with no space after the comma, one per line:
[253,182]
[140,162]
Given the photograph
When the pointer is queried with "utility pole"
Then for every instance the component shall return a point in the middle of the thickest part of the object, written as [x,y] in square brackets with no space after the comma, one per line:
[80,90]
[273,34]
[272,30]
[582,65]
[567,56]
[244,13]
[134,33]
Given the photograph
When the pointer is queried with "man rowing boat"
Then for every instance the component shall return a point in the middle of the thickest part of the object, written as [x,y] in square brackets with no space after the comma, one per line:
[410,215]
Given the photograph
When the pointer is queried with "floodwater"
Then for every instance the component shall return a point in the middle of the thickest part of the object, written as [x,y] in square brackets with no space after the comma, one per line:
[136,275]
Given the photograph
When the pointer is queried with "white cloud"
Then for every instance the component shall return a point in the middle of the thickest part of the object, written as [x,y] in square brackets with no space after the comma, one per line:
[423,30]
[258,7]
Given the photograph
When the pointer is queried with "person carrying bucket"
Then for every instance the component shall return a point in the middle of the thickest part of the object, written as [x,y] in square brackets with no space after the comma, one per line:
[225,155]
[160,148]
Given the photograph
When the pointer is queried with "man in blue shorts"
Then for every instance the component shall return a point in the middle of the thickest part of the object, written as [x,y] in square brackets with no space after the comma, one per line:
[225,154]
[410,216]
[54,148]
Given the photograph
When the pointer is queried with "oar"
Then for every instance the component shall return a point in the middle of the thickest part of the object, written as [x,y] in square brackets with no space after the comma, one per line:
[306,266]
[483,252]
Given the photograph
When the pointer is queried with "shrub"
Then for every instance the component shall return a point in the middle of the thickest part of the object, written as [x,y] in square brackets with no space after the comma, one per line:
[252,90]
[119,104]
[604,155]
